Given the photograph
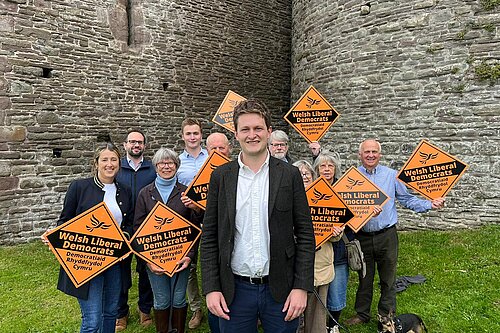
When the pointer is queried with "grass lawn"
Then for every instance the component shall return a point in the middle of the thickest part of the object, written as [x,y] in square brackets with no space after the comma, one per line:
[462,292]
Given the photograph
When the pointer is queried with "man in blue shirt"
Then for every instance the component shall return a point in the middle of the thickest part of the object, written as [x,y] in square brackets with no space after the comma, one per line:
[378,238]
[192,159]
[136,172]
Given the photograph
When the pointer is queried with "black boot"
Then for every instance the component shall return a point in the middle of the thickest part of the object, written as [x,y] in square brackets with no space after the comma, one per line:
[179,319]
[161,320]
[336,316]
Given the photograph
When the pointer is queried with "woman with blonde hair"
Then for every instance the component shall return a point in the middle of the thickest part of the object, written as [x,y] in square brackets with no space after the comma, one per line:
[98,298]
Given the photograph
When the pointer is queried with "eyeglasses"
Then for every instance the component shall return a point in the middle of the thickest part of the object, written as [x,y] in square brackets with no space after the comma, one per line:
[135,142]
[306,175]
[163,164]
[276,145]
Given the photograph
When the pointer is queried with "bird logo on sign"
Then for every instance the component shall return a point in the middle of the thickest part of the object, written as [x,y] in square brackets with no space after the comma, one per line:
[426,157]
[354,182]
[161,221]
[311,101]
[96,224]
[318,196]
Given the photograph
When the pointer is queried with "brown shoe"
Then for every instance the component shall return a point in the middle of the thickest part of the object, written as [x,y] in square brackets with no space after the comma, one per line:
[355,320]
[195,321]
[121,324]
[145,319]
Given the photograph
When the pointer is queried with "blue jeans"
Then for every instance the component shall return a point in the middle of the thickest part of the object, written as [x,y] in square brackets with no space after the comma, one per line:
[253,301]
[337,290]
[99,310]
[162,289]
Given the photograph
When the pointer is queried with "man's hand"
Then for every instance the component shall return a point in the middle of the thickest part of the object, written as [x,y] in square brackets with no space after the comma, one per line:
[217,304]
[295,304]
[377,210]
[438,203]
[315,148]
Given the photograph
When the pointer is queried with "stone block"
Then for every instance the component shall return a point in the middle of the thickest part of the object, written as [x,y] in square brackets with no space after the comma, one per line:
[31,183]
[12,133]
[8,183]
[5,103]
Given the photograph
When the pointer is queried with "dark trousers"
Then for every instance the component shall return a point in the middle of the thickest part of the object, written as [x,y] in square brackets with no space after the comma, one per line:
[145,301]
[252,302]
[381,253]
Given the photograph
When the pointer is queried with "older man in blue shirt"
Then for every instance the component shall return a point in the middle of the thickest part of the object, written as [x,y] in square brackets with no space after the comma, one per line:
[378,238]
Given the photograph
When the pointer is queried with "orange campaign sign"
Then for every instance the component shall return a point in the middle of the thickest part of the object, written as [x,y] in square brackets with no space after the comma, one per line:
[198,189]
[327,210]
[88,244]
[311,115]
[224,115]
[360,194]
[164,238]
[431,171]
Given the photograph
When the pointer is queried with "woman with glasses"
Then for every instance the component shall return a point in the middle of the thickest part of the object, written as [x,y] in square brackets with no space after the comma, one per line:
[169,293]
[328,166]
[315,315]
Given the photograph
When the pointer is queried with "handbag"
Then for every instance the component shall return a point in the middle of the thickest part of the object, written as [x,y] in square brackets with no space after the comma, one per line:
[355,257]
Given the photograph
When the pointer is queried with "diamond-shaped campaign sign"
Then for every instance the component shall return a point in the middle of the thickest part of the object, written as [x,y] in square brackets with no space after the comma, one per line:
[312,115]
[327,210]
[360,194]
[198,189]
[164,238]
[88,244]
[431,171]
[224,115]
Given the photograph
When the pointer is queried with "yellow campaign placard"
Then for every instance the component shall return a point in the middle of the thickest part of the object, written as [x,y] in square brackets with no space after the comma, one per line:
[431,171]
[327,210]
[360,195]
[198,189]
[224,115]
[311,115]
[88,244]
[164,238]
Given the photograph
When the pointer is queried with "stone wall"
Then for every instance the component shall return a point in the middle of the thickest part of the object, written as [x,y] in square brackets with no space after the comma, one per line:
[402,71]
[74,73]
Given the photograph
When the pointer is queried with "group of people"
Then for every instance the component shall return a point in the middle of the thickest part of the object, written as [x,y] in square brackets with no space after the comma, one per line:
[258,258]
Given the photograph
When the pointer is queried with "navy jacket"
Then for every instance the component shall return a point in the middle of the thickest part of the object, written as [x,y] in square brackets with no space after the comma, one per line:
[136,180]
[83,194]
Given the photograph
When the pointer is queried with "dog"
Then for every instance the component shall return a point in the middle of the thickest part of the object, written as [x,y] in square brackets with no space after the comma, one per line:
[405,323]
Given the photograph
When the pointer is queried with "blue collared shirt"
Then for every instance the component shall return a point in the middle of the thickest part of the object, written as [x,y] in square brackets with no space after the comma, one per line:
[385,179]
[190,166]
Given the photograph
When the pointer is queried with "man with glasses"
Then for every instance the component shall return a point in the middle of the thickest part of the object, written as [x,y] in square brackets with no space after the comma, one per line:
[278,146]
[136,172]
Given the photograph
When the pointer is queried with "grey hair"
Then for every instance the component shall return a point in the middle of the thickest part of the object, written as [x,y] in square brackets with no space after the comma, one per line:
[375,140]
[326,156]
[278,135]
[304,164]
[166,154]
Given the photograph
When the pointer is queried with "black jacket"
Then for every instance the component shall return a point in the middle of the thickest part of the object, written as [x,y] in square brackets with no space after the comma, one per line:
[83,194]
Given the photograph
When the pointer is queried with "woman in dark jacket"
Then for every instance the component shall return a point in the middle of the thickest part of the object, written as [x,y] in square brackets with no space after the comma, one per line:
[169,293]
[98,298]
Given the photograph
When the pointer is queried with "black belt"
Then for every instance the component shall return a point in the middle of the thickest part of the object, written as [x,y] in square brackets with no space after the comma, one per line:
[373,233]
[252,280]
